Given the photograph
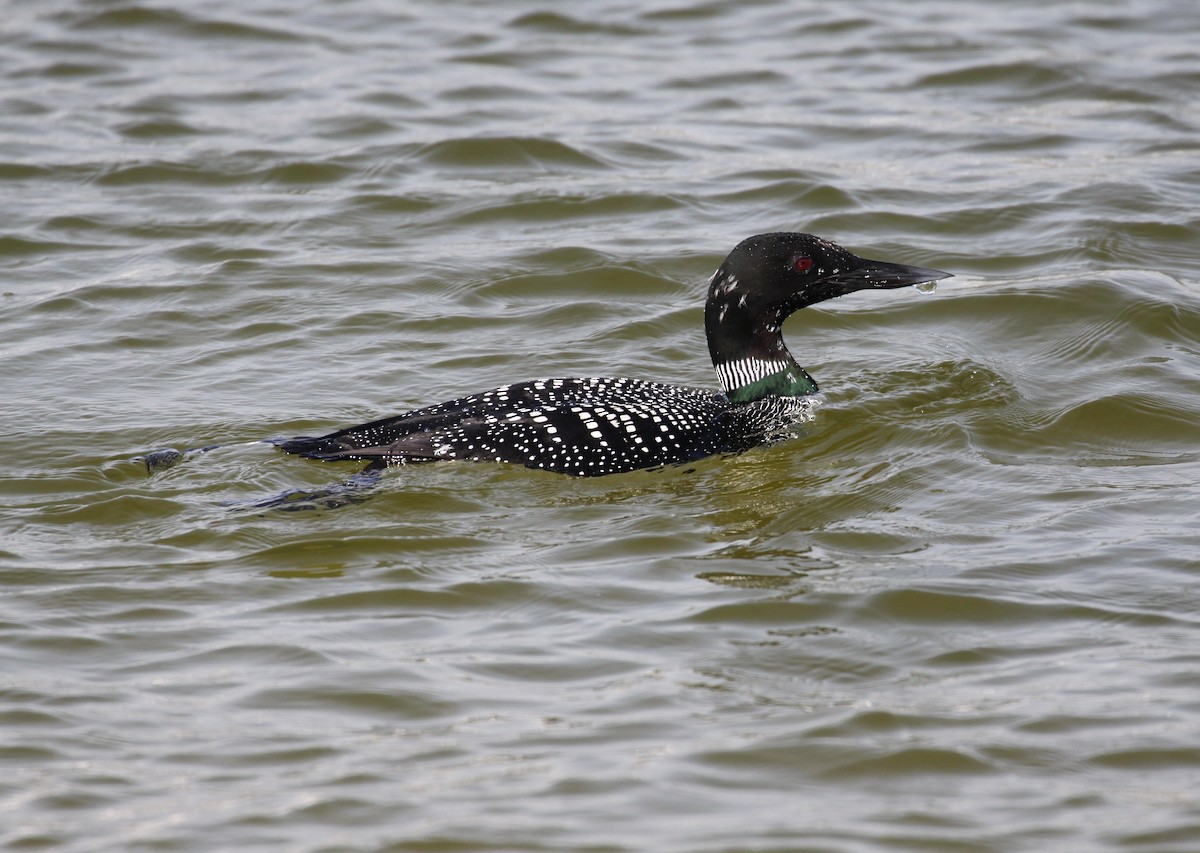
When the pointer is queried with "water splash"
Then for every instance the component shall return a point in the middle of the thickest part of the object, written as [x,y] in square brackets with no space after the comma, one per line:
[927,288]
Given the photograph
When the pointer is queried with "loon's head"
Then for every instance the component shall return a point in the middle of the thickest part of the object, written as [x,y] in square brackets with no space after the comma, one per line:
[765,279]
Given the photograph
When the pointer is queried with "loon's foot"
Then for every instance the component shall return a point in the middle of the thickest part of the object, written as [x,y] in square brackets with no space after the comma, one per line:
[169,457]
[355,490]
[160,460]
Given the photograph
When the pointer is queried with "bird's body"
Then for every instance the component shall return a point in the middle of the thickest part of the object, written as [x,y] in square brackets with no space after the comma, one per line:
[596,426]
[585,427]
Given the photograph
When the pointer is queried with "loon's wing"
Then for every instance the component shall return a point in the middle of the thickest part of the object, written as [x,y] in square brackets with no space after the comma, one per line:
[585,427]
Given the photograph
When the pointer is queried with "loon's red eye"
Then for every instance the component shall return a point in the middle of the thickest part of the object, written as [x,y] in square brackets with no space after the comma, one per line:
[802,264]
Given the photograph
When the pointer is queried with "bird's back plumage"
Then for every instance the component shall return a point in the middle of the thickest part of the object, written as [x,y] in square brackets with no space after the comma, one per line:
[579,426]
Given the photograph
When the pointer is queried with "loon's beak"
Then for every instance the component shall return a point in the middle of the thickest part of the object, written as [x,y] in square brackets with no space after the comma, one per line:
[881,275]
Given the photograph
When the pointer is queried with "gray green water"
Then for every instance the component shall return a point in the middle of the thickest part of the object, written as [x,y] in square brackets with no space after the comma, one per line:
[960,613]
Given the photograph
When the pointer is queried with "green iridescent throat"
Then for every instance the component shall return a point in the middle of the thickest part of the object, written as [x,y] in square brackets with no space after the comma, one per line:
[790,382]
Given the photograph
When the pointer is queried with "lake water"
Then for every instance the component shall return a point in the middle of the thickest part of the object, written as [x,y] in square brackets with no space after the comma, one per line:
[960,612]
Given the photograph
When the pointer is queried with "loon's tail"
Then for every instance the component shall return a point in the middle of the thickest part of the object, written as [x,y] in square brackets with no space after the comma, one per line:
[311,447]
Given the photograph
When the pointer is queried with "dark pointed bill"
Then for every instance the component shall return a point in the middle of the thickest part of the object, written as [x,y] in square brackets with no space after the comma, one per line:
[883,275]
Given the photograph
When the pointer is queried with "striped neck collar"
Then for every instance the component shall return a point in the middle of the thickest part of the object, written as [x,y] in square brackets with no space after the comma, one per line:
[748,379]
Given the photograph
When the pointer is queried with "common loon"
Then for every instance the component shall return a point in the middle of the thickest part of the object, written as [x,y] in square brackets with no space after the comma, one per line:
[595,426]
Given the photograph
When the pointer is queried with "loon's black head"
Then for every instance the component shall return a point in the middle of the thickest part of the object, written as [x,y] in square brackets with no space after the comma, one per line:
[765,279]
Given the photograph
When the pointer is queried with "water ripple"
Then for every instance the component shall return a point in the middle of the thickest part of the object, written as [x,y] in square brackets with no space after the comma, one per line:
[954,613]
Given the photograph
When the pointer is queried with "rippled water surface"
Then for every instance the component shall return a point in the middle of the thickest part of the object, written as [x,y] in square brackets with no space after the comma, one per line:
[961,612]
